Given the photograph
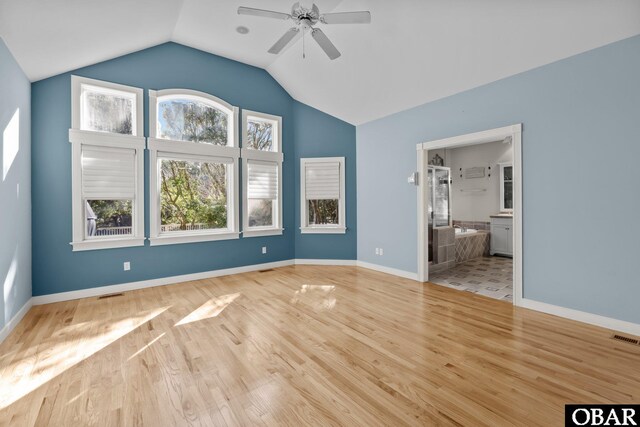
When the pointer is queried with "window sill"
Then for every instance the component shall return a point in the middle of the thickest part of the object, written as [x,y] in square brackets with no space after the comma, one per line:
[90,245]
[192,238]
[323,230]
[261,233]
[106,138]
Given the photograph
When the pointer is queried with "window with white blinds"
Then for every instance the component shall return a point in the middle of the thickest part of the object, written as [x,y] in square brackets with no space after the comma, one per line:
[262,180]
[108,173]
[322,180]
[107,165]
[322,184]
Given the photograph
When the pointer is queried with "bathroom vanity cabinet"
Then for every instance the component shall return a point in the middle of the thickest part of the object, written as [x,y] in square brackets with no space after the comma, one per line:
[501,235]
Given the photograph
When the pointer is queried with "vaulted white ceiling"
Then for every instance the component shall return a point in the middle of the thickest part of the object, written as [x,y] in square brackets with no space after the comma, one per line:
[413,52]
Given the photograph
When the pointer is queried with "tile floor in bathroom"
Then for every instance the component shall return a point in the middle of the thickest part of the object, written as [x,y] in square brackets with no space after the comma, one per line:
[490,276]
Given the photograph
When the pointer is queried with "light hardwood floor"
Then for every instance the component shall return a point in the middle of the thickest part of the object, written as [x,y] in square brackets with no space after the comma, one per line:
[305,345]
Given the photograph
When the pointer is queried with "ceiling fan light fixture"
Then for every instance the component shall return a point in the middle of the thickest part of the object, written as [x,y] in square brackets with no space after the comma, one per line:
[305,19]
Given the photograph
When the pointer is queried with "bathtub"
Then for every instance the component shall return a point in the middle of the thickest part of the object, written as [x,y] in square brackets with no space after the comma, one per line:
[471,243]
[465,231]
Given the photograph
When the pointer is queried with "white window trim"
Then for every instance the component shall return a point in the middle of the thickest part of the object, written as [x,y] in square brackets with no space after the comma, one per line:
[265,156]
[78,138]
[193,151]
[305,228]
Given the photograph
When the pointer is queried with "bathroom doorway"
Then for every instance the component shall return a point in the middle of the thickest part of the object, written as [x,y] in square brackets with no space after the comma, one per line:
[469,213]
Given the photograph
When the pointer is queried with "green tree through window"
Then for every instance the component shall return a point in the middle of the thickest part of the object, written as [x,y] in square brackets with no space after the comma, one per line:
[186,120]
[193,193]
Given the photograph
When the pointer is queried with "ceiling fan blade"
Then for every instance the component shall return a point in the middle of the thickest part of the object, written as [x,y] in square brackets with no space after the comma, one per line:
[284,40]
[325,43]
[262,13]
[363,17]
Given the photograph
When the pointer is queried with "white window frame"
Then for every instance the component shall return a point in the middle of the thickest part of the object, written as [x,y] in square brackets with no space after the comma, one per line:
[276,157]
[192,151]
[305,228]
[79,138]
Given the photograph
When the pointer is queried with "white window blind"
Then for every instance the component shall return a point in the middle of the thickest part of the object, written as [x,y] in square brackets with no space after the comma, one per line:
[108,173]
[322,181]
[262,180]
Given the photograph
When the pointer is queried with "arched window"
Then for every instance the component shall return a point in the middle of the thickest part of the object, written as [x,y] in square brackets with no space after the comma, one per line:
[193,159]
[184,116]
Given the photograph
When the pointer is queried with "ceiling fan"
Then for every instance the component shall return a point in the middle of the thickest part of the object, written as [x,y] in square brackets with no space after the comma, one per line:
[305,19]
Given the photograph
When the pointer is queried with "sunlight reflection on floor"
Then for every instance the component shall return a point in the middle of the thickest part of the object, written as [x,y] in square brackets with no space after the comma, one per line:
[319,297]
[61,351]
[209,309]
[78,396]
[146,346]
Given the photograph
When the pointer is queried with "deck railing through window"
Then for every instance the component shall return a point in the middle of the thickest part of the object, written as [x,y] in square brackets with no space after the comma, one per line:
[113,231]
[188,227]
[124,231]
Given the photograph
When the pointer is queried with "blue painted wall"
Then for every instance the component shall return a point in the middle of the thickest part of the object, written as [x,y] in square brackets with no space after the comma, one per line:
[319,135]
[15,186]
[581,146]
[55,267]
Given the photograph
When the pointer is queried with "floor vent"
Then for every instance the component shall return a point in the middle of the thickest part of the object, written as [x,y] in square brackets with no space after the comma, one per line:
[625,339]
[264,271]
[110,295]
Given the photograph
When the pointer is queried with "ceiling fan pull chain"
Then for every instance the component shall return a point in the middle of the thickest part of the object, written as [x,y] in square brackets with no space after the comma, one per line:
[303,54]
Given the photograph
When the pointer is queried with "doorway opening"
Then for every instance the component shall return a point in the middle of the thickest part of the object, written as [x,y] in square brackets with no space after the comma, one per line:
[470,213]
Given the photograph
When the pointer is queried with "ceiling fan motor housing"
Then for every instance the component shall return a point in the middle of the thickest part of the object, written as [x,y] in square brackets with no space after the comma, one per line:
[305,17]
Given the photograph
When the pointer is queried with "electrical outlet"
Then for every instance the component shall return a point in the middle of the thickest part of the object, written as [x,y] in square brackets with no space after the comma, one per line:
[264,250]
[377,251]
[381,251]
[127,266]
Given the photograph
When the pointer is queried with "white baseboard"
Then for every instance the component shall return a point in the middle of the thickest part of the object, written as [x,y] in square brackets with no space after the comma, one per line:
[124,287]
[351,262]
[581,316]
[388,270]
[4,333]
